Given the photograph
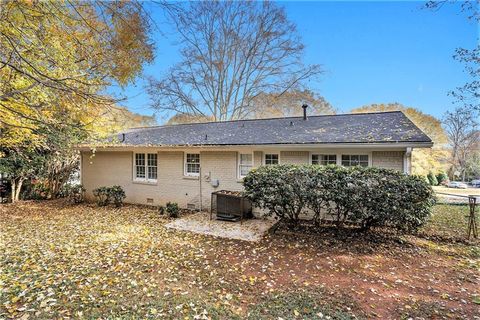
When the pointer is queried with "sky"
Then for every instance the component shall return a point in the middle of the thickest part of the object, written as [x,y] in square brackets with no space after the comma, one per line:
[371,52]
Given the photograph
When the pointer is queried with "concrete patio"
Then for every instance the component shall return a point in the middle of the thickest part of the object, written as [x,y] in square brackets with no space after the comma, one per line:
[249,230]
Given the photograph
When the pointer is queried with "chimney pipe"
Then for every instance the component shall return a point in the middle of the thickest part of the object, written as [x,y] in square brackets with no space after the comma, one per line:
[305,111]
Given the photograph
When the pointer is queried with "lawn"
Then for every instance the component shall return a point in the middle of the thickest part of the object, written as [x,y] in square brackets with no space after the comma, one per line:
[60,261]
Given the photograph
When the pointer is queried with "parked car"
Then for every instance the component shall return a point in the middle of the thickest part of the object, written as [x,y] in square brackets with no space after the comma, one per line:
[475,183]
[457,185]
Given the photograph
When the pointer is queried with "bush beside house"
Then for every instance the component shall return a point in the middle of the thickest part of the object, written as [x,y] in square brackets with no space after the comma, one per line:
[107,195]
[366,196]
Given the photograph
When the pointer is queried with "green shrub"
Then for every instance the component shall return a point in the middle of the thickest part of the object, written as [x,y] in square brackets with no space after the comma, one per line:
[172,209]
[442,178]
[74,193]
[107,195]
[432,179]
[279,189]
[366,196]
[101,196]
[322,195]
[117,195]
[382,197]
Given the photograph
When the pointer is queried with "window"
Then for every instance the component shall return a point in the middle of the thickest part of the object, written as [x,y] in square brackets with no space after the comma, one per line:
[245,163]
[354,160]
[146,166]
[271,159]
[324,159]
[140,166]
[152,166]
[192,164]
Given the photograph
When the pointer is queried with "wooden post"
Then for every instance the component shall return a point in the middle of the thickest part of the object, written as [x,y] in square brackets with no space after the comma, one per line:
[472,223]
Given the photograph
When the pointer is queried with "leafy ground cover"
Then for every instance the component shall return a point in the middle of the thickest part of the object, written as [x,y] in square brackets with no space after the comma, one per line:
[60,261]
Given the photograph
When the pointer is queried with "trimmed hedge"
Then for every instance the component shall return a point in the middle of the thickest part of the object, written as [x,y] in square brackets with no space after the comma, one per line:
[366,196]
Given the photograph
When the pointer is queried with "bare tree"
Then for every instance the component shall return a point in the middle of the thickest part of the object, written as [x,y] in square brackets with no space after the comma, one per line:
[461,126]
[289,104]
[231,52]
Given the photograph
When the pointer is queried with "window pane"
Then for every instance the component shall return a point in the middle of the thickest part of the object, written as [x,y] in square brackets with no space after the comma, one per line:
[271,159]
[324,159]
[152,166]
[245,164]
[140,165]
[152,159]
[355,160]
[193,158]
[152,173]
[245,158]
[192,163]
[140,172]
[244,170]
[140,159]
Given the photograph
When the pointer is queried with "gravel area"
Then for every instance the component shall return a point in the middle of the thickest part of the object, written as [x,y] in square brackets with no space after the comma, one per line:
[249,230]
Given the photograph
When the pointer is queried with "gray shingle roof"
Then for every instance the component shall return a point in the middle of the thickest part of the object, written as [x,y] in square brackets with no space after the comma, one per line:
[382,127]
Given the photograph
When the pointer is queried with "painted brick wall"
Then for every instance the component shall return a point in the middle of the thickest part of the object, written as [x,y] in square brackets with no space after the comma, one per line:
[388,159]
[116,168]
[221,166]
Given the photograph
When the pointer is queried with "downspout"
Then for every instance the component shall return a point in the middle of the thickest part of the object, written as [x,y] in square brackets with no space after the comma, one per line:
[407,161]
[200,185]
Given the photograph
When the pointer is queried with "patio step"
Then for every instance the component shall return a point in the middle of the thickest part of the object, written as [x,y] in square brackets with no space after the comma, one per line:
[227,217]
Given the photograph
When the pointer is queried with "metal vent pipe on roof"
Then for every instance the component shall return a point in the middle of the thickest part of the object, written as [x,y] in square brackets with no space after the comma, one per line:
[305,106]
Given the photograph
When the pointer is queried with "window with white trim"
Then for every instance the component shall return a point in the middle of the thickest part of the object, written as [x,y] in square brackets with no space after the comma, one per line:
[152,166]
[271,159]
[351,160]
[146,166]
[324,159]
[192,164]
[245,164]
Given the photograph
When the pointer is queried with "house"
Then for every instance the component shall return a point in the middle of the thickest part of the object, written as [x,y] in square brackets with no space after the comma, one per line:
[185,163]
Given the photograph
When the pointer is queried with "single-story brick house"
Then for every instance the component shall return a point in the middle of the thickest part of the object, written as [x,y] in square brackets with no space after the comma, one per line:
[185,163]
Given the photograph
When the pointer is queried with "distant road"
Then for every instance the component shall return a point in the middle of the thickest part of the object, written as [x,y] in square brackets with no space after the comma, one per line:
[453,199]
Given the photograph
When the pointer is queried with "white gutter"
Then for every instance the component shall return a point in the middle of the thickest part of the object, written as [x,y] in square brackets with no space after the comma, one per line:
[384,145]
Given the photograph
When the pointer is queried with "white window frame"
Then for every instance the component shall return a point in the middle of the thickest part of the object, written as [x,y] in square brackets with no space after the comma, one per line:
[323,154]
[190,174]
[265,157]
[240,176]
[369,158]
[145,165]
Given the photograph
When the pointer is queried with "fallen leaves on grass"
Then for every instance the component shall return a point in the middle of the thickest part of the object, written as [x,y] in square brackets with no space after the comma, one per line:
[88,262]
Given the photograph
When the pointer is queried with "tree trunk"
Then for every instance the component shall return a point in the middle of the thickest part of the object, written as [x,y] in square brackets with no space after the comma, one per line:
[14,187]
[19,188]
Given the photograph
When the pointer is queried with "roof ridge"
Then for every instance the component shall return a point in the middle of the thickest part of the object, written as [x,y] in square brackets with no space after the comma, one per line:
[262,119]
